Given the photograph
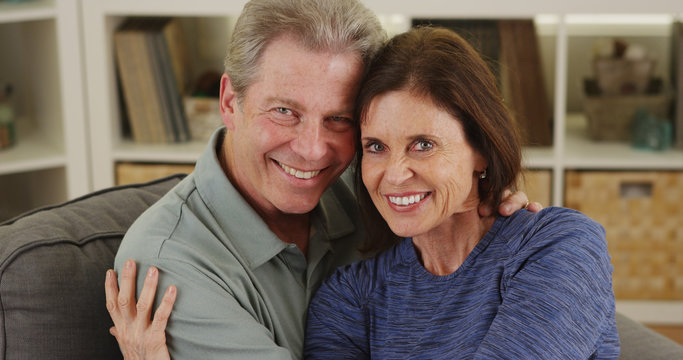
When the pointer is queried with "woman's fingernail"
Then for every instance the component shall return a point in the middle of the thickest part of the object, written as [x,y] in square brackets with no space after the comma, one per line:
[151,272]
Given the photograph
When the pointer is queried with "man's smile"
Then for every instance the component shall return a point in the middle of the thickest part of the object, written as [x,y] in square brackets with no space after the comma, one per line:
[299,174]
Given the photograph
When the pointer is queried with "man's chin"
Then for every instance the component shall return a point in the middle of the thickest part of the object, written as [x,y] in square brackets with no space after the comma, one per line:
[299,207]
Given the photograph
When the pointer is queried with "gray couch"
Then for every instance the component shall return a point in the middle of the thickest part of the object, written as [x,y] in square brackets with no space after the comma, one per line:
[52,266]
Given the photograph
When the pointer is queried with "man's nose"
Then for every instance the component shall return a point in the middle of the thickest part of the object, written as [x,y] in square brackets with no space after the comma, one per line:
[312,140]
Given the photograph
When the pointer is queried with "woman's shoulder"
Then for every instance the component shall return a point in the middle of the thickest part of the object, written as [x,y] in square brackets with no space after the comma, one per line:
[552,227]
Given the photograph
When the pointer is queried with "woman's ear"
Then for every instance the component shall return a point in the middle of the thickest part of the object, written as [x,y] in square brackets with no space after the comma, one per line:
[228,102]
[480,166]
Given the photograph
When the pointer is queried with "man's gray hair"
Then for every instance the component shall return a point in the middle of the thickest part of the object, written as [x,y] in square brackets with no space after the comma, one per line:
[335,26]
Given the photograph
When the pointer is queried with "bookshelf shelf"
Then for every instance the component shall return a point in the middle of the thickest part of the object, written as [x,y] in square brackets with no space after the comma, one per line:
[187,152]
[33,152]
[538,157]
[582,153]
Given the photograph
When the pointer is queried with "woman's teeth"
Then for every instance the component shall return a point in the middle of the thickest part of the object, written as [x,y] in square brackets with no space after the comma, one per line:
[406,200]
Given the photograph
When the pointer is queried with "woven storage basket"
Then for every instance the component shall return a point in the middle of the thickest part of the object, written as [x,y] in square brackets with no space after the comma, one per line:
[623,76]
[609,117]
[537,184]
[642,213]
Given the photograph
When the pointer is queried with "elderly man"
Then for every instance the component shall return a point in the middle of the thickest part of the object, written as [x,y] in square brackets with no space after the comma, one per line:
[248,237]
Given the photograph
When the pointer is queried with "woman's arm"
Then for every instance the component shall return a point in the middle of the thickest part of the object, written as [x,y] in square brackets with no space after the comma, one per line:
[557,298]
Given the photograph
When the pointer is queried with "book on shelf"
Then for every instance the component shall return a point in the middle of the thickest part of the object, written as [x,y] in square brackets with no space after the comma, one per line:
[151,64]
[522,82]
[511,50]
[677,81]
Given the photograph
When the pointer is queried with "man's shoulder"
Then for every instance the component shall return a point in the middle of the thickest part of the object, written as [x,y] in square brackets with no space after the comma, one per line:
[160,222]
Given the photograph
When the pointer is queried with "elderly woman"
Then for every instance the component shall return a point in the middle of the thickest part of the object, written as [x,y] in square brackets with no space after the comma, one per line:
[436,141]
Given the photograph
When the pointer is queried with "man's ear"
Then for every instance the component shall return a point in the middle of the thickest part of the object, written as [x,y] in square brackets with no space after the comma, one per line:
[228,102]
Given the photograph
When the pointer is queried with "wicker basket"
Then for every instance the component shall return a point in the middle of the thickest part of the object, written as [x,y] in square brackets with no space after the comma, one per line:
[623,76]
[609,117]
[537,184]
[643,215]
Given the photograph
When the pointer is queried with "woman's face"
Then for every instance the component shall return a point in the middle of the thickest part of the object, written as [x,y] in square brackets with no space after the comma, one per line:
[417,165]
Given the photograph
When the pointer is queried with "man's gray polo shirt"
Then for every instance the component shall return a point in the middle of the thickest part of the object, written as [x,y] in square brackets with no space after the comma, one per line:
[242,292]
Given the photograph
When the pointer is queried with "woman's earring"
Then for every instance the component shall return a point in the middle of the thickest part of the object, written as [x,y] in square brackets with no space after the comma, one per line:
[482,175]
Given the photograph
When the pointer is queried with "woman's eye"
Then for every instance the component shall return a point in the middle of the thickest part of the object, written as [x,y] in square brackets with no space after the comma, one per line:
[374,147]
[423,145]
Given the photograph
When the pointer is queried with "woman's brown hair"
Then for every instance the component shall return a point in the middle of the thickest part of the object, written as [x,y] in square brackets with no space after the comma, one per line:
[438,64]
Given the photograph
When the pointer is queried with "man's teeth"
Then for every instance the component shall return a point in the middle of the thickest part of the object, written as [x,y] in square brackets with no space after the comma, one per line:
[298,173]
[406,200]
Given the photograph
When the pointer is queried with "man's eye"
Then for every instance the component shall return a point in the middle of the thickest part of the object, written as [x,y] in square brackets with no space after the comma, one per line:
[283,110]
[339,123]
[340,119]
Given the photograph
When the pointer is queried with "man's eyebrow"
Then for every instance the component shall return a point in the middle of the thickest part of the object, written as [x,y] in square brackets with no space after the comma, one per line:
[284,101]
[291,103]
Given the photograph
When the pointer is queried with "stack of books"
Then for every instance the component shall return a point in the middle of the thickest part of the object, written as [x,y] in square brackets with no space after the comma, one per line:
[151,61]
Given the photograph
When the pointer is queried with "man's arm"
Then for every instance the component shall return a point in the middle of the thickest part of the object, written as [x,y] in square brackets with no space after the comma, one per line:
[207,322]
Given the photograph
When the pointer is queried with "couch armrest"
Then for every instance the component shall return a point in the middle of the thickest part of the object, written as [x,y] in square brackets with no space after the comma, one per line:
[52,266]
[639,342]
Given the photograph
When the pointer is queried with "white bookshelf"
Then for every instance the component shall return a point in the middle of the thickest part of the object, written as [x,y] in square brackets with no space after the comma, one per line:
[100,18]
[41,58]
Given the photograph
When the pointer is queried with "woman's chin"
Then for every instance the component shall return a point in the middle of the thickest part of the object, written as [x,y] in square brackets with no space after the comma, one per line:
[403,232]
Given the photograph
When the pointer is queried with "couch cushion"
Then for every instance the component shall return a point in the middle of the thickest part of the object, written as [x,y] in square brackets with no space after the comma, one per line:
[52,266]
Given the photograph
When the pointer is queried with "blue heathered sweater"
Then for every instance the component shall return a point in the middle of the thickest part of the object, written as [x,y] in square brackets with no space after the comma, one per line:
[537,286]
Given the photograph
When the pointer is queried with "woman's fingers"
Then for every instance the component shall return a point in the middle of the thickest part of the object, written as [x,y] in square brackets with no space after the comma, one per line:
[126,298]
[138,334]
[146,300]
[162,313]
[111,290]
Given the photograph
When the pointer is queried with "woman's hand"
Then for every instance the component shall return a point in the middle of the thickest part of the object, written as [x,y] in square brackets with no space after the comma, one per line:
[139,336]
[511,202]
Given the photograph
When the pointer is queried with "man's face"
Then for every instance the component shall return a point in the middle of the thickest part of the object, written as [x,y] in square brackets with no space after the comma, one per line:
[293,133]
